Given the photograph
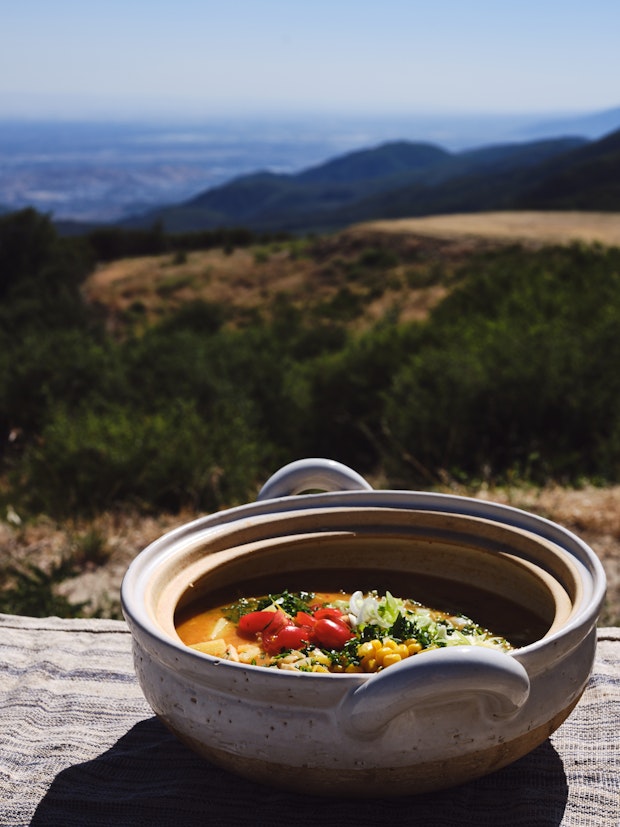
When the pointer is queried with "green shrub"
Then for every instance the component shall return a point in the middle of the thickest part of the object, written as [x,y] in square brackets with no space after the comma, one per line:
[518,371]
[338,395]
[87,461]
[344,306]
[378,258]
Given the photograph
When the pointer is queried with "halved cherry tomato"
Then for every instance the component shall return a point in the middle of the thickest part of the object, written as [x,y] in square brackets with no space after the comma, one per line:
[280,620]
[289,637]
[326,627]
[304,619]
[333,634]
[254,622]
[328,612]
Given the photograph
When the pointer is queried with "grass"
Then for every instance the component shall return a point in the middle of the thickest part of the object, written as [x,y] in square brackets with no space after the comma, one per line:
[312,274]
[168,287]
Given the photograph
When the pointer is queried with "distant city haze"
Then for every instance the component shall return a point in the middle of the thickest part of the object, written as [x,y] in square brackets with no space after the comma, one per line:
[111,107]
[106,171]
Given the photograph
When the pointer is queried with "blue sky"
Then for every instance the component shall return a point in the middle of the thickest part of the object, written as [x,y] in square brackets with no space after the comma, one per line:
[199,57]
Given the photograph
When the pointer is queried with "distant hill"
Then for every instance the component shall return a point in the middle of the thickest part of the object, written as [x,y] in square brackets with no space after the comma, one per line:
[266,200]
[488,179]
[391,180]
[586,179]
[594,125]
[384,162]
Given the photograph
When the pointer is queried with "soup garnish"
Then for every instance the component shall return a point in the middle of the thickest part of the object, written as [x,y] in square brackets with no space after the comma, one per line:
[329,631]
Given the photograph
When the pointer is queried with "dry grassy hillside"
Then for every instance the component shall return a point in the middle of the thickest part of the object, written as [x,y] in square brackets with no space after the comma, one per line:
[311,273]
[524,227]
[251,280]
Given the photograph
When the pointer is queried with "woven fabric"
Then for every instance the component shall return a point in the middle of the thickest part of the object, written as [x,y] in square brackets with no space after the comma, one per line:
[80,746]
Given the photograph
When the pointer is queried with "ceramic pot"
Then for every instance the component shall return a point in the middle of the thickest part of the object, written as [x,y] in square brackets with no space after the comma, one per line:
[432,721]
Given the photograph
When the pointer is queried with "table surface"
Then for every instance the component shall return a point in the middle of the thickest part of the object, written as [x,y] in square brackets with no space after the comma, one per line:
[80,746]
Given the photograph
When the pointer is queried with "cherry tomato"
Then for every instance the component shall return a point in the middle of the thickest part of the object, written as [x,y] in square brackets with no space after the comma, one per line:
[289,637]
[254,622]
[327,612]
[278,621]
[332,634]
[304,619]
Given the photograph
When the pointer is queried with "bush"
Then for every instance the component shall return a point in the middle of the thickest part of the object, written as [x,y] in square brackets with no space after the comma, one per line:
[27,244]
[88,461]
[518,372]
[43,369]
[515,372]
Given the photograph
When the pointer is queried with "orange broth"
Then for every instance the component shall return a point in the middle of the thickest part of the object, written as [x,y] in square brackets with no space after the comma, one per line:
[197,627]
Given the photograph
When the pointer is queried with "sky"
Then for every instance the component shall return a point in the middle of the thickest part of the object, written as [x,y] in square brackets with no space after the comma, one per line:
[196,58]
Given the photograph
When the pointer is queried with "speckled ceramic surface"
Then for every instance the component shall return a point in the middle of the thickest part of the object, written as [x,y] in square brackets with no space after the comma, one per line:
[433,720]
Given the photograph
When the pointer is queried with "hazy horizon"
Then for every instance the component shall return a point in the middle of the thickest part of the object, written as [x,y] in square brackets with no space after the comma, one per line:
[104,170]
[107,107]
[198,59]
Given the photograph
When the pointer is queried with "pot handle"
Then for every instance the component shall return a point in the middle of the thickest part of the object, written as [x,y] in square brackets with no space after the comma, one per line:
[316,473]
[436,677]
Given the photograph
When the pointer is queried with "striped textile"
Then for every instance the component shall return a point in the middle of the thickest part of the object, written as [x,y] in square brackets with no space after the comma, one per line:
[79,746]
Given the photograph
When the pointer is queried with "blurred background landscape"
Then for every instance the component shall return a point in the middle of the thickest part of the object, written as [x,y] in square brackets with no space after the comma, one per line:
[233,237]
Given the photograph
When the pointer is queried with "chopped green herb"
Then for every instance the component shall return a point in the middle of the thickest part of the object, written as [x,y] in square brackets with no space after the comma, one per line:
[242,607]
[403,628]
[289,602]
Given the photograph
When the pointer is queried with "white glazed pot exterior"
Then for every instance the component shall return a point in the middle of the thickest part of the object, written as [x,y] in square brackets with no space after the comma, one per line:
[432,721]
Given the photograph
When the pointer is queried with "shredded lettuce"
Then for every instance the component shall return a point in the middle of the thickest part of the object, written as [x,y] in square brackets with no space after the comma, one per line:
[390,614]
[373,610]
[390,608]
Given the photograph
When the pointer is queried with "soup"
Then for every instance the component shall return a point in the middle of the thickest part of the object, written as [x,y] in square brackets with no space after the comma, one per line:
[327,631]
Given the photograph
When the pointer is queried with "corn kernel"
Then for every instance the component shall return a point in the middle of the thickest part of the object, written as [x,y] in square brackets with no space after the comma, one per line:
[391,659]
[413,647]
[383,651]
[366,648]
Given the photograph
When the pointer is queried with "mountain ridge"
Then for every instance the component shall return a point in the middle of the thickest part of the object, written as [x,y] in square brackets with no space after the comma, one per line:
[591,176]
[364,184]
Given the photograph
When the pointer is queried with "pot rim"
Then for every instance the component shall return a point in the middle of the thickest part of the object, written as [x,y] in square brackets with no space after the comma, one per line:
[195,532]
